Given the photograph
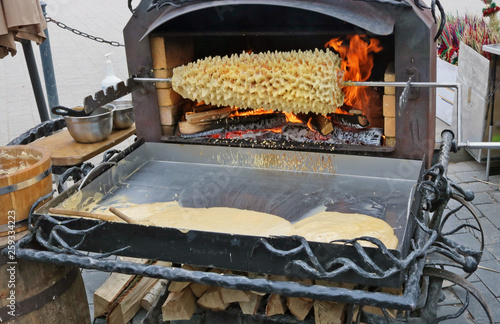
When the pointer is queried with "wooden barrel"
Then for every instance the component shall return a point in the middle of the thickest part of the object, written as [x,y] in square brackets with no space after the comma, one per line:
[41,293]
[25,176]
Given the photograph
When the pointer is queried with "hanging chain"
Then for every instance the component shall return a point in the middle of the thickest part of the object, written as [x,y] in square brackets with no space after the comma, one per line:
[78,32]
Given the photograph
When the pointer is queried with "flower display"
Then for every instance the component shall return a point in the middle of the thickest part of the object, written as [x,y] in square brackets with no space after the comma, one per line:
[471,30]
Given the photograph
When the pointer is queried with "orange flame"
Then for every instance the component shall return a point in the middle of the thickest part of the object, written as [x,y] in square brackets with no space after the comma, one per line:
[250,112]
[291,118]
[357,62]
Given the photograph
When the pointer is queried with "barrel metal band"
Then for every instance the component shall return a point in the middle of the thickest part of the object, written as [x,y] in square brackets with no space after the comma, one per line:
[23,307]
[25,183]
[8,227]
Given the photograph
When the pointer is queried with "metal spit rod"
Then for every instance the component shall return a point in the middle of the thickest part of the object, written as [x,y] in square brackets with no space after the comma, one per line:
[458,96]
[458,101]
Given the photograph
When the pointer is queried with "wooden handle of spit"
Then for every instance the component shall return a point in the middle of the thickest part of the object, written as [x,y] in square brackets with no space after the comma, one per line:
[122,215]
[68,212]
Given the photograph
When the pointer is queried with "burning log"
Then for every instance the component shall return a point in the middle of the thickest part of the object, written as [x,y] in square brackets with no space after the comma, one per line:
[208,116]
[321,124]
[350,121]
[186,128]
[231,124]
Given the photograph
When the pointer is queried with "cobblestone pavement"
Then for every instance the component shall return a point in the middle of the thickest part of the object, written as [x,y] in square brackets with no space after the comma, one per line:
[470,175]
[79,68]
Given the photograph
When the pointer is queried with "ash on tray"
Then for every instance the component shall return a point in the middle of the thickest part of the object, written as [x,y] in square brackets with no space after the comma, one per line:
[301,133]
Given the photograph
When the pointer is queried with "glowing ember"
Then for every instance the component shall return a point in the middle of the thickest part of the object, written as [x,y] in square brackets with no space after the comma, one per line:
[290,117]
[357,62]
[250,112]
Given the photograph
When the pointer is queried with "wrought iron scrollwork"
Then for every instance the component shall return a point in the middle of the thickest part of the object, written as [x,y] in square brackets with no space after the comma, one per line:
[367,268]
[437,190]
[55,242]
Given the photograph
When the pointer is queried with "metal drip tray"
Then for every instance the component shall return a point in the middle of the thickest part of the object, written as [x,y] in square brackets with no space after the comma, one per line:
[292,185]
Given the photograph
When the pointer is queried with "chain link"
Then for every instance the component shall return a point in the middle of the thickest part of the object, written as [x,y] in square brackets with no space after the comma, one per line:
[83,34]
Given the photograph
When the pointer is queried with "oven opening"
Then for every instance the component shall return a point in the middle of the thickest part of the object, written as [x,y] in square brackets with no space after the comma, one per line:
[356,120]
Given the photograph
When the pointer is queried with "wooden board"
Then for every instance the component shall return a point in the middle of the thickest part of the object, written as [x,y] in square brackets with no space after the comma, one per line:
[65,151]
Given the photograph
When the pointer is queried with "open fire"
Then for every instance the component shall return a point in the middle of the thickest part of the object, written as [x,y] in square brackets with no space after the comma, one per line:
[349,124]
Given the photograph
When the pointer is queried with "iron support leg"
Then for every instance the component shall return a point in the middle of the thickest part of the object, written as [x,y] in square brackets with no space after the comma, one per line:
[35,81]
[493,81]
[48,69]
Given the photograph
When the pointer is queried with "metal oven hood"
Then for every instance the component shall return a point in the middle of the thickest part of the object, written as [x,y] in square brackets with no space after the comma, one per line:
[361,14]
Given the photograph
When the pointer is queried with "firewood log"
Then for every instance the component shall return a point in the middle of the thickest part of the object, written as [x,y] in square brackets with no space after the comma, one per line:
[276,305]
[129,303]
[112,288]
[250,307]
[150,298]
[212,300]
[198,289]
[179,306]
[322,124]
[233,295]
[326,312]
[208,116]
[308,282]
[178,286]
[299,307]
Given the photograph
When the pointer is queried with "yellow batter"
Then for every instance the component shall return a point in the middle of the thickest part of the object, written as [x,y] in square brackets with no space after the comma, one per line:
[330,226]
[322,227]
[215,219]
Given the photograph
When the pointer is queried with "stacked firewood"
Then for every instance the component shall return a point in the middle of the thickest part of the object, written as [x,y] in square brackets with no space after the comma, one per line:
[122,296]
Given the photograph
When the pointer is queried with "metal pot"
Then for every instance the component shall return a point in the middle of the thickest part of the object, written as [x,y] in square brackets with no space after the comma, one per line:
[124,114]
[93,128]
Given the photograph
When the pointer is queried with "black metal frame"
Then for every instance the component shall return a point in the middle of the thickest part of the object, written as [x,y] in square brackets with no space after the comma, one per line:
[50,244]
